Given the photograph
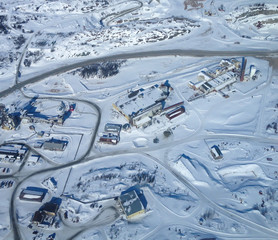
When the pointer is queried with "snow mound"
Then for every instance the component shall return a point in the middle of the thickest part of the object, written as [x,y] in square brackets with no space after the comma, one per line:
[140,142]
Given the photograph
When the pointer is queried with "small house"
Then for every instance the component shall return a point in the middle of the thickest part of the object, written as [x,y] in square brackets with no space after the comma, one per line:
[113,128]
[216,152]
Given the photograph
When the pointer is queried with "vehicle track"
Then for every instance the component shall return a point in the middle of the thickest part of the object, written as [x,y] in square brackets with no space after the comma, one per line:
[212,204]
[84,158]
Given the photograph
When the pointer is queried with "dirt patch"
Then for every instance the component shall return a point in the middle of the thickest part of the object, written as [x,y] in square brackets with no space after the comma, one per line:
[193,4]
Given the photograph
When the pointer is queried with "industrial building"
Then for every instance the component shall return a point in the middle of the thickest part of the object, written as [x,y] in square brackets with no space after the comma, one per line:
[215,79]
[12,153]
[30,114]
[33,194]
[35,117]
[55,145]
[45,216]
[133,202]
[140,106]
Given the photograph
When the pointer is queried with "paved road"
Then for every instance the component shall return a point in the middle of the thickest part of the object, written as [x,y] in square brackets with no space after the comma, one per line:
[212,204]
[132,55]
[195,136]
[106,216]
[122,13]
[12,210]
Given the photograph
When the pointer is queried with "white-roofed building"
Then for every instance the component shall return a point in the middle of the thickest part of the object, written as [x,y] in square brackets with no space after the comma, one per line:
[139,106]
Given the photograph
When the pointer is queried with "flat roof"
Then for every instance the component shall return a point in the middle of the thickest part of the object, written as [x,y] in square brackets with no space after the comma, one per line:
[143,99]
[8,151]
[131,203]
[111,127]
[32,192]
[50,207]
[54,145]
[38,217]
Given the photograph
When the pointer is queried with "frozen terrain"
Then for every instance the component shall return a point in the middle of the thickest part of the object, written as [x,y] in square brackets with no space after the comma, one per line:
[72,73]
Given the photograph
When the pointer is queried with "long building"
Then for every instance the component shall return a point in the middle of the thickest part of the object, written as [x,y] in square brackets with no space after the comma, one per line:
[11,153]
[139,106]
[37,117]
[33,194]
[216,79]
[54,145]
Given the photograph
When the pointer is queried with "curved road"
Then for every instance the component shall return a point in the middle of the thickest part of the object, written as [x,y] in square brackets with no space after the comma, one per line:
[12,209]
[132,55]
[85,157]
[122,13]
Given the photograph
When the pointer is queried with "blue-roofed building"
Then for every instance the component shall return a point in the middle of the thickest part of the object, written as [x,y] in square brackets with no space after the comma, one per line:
[33,194]
[139,106]
[133,202]
[216,152]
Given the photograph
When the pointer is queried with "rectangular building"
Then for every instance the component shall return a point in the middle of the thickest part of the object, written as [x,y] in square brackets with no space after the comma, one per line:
[112,128]
[139,106]
[54,145]
[131,204]
[12,153]
[33,194]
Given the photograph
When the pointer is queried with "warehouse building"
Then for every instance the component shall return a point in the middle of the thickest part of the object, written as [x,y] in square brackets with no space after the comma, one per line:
[33,194]
[215,79]
[46,215]
[139,106]
[55,145]
[133,202]
[12,153]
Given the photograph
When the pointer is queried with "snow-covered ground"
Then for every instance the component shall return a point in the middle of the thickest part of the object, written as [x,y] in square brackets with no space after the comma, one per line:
[78,58]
